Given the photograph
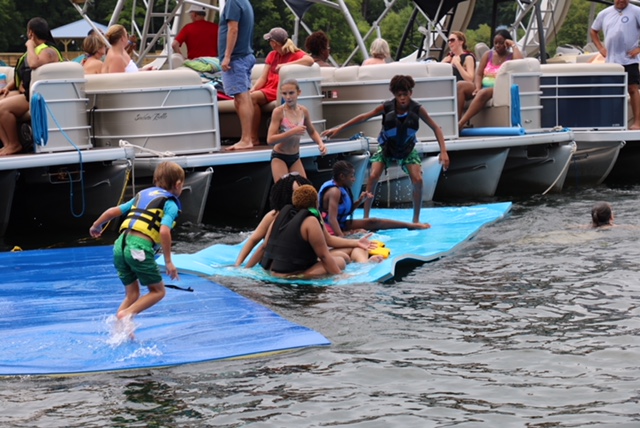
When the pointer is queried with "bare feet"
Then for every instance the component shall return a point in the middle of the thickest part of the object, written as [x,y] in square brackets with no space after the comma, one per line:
[376,259]
[240,145]
[418,225]
[10,149]
[634,127]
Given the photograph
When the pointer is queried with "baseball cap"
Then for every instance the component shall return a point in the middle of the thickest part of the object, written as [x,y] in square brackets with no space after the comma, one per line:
[195,8]
[277,34]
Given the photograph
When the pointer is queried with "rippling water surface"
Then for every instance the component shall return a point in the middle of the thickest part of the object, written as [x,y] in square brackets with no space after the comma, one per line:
[533,323]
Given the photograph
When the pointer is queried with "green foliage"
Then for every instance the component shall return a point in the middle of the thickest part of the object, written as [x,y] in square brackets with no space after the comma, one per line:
[482,34]
[575,28]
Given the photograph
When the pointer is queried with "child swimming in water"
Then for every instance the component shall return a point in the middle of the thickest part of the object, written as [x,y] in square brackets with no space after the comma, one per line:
[289,122]
[602,215]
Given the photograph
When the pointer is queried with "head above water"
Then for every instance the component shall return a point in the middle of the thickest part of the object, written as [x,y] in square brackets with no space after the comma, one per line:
[601,214]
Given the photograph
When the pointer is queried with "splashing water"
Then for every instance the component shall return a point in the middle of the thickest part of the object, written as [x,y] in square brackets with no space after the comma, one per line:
[120,331]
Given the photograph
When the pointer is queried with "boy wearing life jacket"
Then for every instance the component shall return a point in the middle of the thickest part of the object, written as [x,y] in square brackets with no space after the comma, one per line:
[336,204]
[150,216]
[400,122]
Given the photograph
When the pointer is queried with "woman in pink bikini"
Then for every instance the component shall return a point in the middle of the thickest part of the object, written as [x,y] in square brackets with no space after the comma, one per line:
[482,90]
[289,122]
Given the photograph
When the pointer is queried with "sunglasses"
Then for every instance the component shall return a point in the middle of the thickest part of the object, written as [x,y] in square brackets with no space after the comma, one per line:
[452,40]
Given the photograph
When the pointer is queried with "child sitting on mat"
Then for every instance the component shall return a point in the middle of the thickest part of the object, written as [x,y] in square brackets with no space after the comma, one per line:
[150,216]
[337,205]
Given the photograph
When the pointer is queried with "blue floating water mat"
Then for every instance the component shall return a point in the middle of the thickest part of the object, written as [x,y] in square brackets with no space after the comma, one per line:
[492,132]
[56,305]
[450,227]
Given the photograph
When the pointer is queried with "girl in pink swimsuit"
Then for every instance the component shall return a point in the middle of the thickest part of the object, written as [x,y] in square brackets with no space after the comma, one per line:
[486,72]
[289,122]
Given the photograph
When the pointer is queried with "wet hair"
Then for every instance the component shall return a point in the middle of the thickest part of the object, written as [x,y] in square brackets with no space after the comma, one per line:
[601,214]
[316,43]
[380,49]
[504,33]
[115,33]
[40,28]
[293,82]
[342,168]
[305,196]
[167,175]
[93,44]
[460,36]
[401,83]
[282,190]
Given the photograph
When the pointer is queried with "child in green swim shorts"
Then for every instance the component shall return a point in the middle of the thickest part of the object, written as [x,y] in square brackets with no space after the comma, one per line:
[150,216]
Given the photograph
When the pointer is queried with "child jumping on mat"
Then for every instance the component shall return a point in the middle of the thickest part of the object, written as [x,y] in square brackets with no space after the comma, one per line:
[150,216]
[400,122]
[289,122]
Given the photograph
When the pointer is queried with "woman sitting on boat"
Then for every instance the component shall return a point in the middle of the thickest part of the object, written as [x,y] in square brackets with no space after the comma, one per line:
[463,63]
[14,98]
[317,44]
[485,79]
[118,60]
[95,49]
[266,88]
[380,53]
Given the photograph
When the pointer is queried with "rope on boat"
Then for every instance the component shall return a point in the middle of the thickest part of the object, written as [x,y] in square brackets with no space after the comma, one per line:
[40,130]
[124,143]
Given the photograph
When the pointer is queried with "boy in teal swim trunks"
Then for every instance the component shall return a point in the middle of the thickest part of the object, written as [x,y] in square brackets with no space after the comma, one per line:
[400,122]
[150,216]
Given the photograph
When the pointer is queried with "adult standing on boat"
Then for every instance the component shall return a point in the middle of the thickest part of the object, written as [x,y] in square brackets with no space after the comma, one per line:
[118,60]
[486,73]
[380,53]
[14,98]
[463,63]
[266,88]
[317,44]
[235,41]
[200,35]
[621,26]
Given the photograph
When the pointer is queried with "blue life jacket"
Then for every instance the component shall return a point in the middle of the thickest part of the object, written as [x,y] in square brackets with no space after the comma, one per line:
[345,208]
[398,135]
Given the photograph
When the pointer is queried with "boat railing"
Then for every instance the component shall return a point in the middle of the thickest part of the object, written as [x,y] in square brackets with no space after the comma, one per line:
[308,78]
[155,111]
[584,96]
[62,87]
[349,91]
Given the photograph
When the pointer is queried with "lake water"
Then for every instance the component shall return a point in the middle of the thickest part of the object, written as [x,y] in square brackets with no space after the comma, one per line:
[535,322]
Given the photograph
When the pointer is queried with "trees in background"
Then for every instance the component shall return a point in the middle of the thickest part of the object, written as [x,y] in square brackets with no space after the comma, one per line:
[14,15]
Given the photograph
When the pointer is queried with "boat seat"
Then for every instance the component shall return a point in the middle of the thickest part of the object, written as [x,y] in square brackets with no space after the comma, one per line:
[158,111]
[497,113]
[353,90]
[61,85]
[309,81]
